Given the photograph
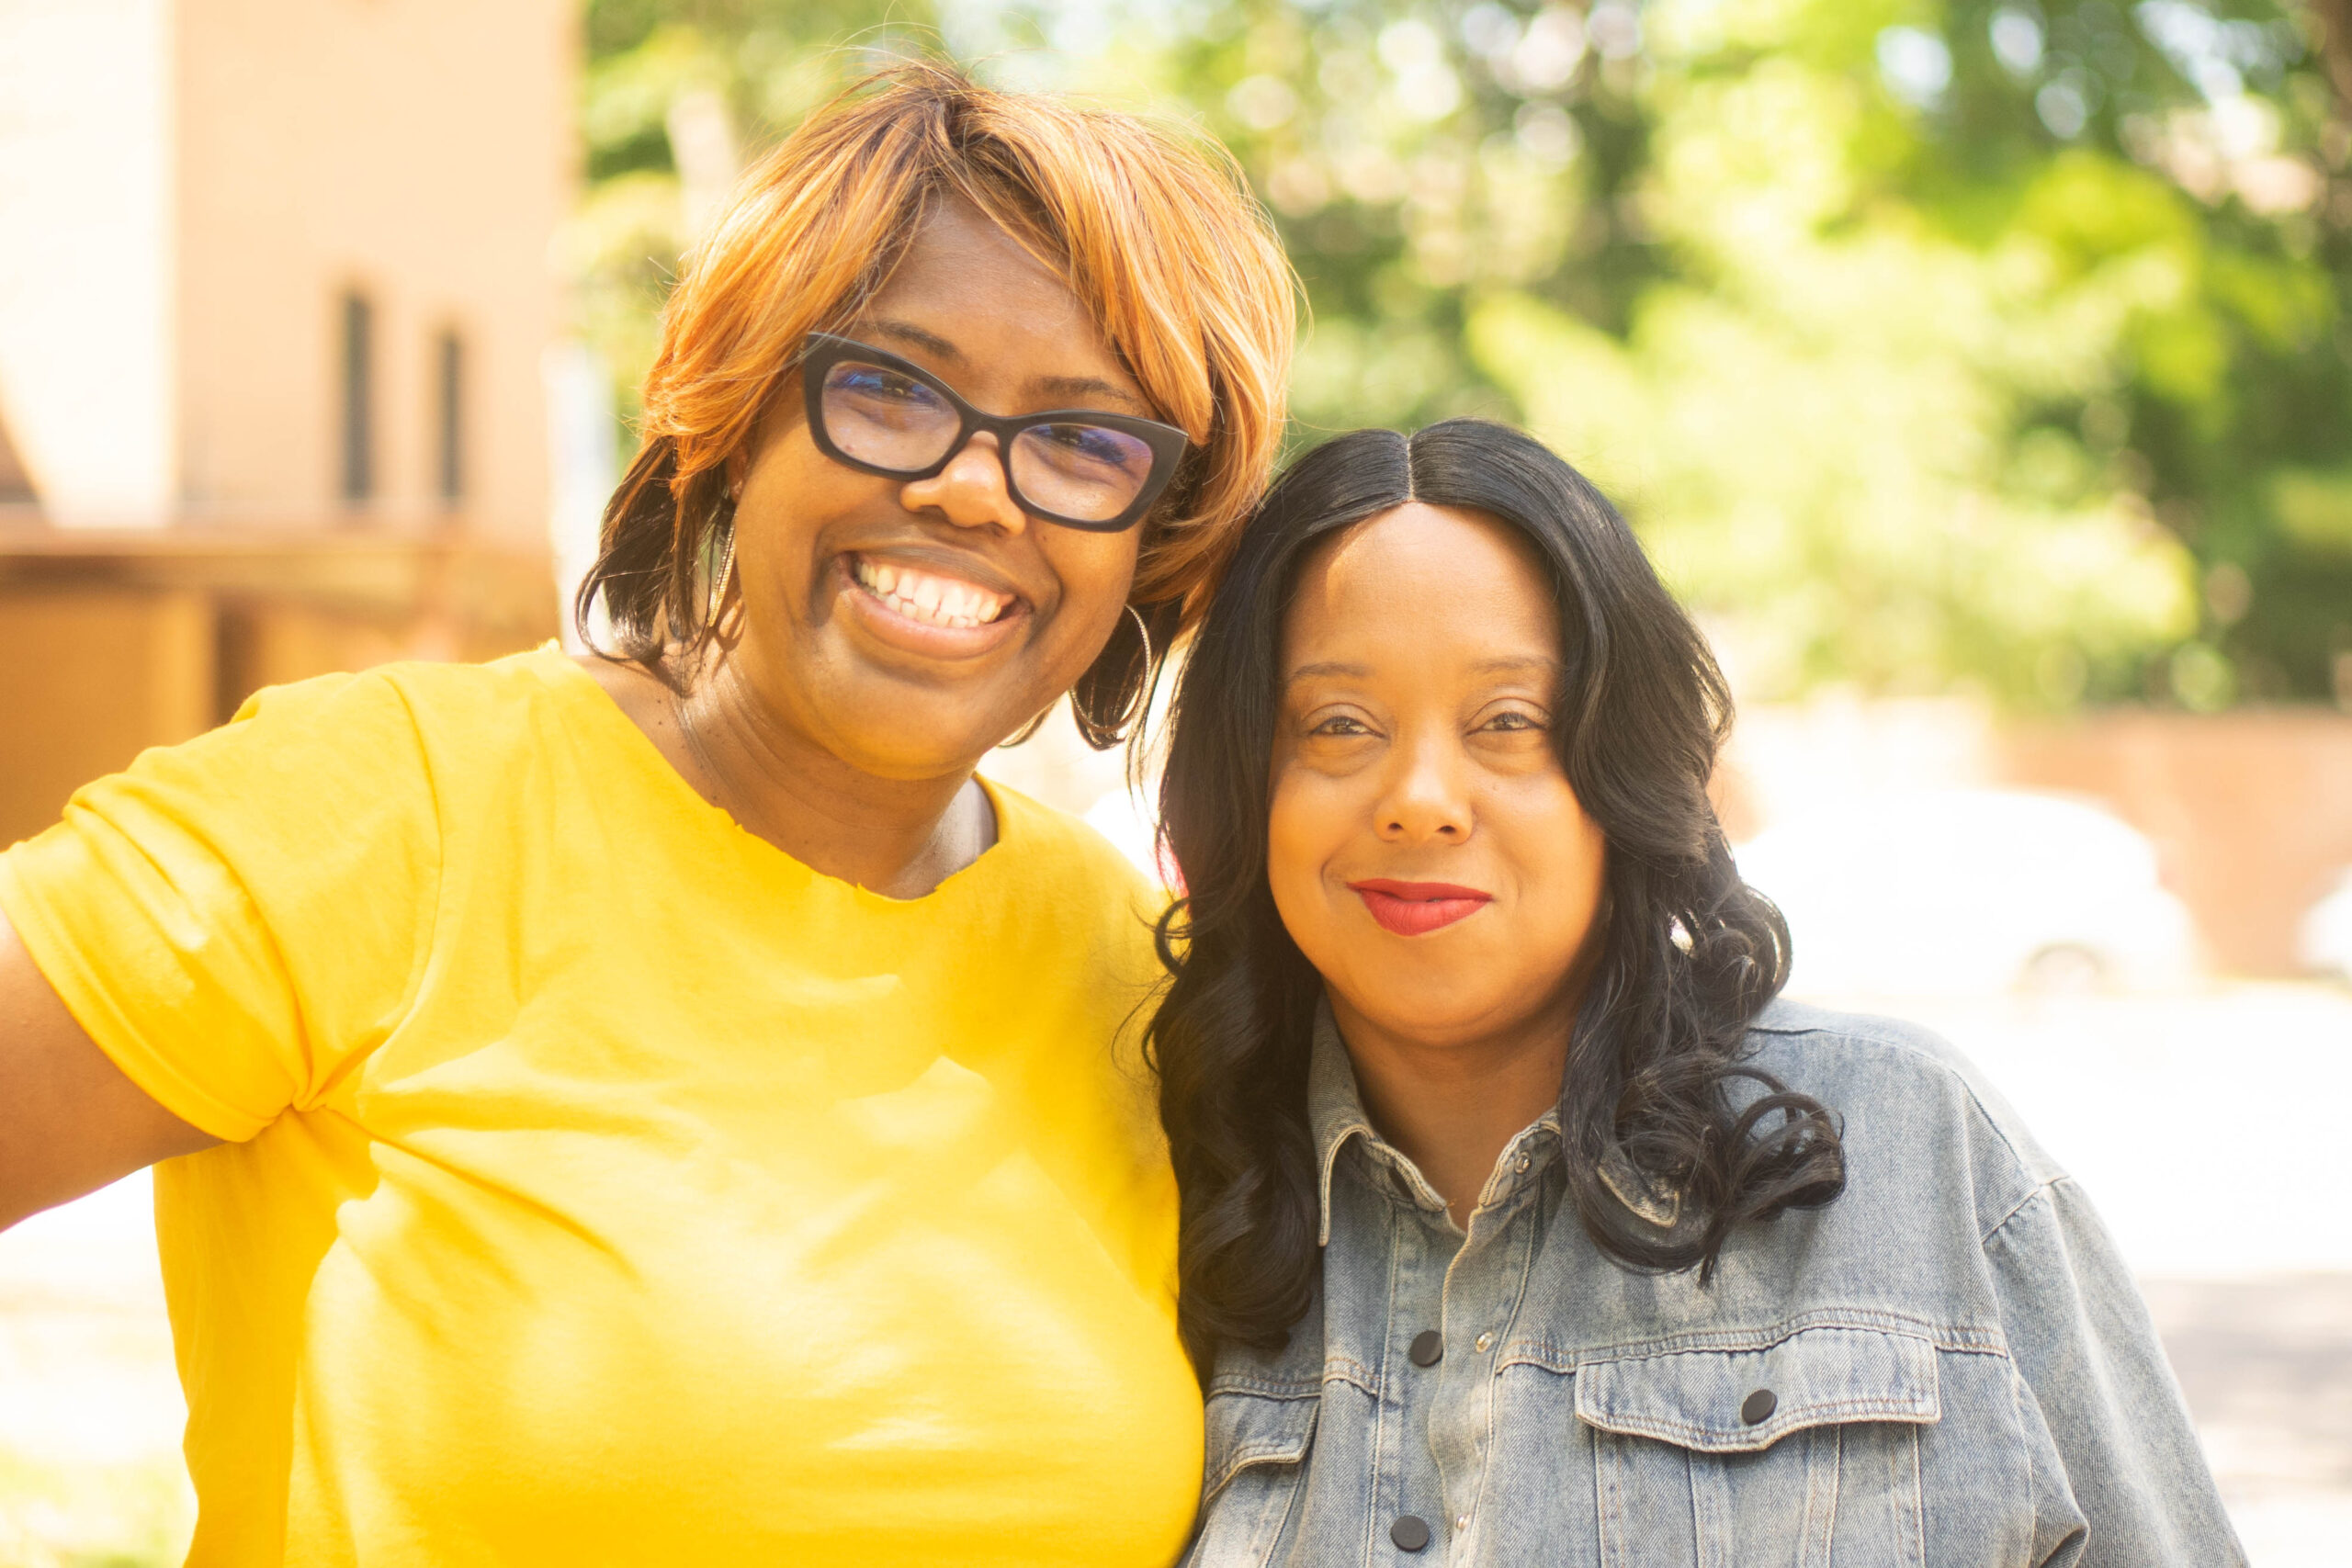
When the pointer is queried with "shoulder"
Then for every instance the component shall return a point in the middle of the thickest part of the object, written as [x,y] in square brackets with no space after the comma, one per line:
[451,721]
[1075,898]
[1058,848]
[1906,1096]
[390,749]
[428,696]
[405,700]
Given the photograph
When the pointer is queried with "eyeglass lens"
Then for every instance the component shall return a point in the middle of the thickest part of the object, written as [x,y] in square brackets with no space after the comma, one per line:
[884,417]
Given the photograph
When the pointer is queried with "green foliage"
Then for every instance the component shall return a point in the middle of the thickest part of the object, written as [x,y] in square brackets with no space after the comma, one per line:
[760,65]
[1927,342]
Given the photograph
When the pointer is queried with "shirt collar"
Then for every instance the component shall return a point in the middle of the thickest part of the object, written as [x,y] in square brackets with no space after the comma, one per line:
[1334,1110]
[1335,1114]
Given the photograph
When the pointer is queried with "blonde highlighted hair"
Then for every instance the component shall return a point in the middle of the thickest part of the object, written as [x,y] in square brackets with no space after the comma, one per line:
[1155,234]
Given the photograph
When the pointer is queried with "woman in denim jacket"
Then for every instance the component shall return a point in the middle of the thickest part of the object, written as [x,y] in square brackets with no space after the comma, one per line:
[1520,1223]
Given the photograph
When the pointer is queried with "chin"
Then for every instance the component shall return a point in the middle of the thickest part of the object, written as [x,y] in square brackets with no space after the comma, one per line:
[885,729]
[1431,1015]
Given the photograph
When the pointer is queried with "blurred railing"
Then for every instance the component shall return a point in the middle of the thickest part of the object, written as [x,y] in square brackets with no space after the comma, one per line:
[121,640]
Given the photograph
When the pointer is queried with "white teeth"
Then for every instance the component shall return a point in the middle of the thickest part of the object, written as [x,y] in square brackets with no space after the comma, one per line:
[919,596]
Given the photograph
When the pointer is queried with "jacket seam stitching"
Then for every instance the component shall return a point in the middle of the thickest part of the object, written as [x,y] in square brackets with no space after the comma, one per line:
[2022,1205]
[1247,1456]
[1266,1388]
[1761,1437]
[1942,1336]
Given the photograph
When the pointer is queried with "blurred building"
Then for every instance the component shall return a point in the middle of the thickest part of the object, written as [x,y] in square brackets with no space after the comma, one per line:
[276,292]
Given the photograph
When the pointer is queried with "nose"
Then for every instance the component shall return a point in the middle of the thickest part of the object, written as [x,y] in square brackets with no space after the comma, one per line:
[970,490]
[1423,799]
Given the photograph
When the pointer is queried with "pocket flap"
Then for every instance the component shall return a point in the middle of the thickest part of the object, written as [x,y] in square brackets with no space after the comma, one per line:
[1251,1429]
[1738,1401]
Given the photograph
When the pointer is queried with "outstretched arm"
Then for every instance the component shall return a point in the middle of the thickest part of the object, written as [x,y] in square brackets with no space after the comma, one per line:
[69,1121]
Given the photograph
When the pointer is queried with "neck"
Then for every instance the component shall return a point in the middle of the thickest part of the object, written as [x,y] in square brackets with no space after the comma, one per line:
[1451,1105]
[901,837]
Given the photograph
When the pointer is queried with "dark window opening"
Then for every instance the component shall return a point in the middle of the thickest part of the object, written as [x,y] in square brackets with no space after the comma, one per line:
[358,397]
[450,418]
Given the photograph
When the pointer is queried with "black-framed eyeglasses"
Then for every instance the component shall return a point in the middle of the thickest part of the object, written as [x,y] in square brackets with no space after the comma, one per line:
[1081,467]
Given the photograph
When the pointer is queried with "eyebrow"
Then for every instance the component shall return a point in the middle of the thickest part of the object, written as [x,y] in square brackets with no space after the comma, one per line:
[1328,667]
[1080,387]
[1069,391]
[1499,664]
[907,333]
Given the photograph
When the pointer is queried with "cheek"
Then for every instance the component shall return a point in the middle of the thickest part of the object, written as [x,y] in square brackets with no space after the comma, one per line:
[1298,831]
[789,494]
[1092,574]
[1566,865]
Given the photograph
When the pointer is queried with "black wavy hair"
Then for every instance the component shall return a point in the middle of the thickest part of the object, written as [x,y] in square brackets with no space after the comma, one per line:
[1688,952]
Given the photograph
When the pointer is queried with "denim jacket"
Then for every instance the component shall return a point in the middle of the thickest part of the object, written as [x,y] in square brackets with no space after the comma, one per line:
[1949,1365]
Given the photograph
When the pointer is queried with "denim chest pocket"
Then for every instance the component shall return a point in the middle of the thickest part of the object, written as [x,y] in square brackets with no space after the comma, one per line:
[1803,1451]
[1257,1441]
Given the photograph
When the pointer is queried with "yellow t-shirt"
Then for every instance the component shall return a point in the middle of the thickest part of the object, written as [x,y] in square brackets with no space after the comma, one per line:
[606,1186]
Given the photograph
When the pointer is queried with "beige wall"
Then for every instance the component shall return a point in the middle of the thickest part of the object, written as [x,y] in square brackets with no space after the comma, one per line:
[188,186]
[420,149]
[186,189]
[86,377]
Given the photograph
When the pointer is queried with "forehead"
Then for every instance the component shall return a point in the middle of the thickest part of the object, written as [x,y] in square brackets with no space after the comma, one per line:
[1422,585]
[958,251]
[981,304]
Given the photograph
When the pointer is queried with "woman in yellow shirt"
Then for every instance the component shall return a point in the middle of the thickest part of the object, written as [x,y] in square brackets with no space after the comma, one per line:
[663,1109]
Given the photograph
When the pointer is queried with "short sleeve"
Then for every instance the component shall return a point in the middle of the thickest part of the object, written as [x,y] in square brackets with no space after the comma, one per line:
[237,920]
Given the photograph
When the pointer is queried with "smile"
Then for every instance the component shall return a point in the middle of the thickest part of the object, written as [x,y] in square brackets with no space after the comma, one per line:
[928,598]
[1415,909]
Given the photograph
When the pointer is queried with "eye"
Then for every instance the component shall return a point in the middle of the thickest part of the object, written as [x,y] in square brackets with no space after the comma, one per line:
[1512,719]
[1088,441]
[873,381]
[1092,454]
[1340,724]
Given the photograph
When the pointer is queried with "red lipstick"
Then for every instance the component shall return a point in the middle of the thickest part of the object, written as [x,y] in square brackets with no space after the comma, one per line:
[1415,909]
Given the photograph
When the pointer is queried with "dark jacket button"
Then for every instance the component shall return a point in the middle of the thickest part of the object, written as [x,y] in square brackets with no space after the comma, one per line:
[1757,1407]
[1429,1348]
[1410,1532]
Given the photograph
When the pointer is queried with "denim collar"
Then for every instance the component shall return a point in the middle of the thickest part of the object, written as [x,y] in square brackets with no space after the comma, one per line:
[1335,1115]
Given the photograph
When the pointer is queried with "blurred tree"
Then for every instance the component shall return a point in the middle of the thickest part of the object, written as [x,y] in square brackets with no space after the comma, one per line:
[1928,342]
[676,94]
[1996,342]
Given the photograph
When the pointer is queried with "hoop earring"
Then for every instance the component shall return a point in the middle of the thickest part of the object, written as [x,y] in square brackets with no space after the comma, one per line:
[726,573]
[1142,631]
[1100,681]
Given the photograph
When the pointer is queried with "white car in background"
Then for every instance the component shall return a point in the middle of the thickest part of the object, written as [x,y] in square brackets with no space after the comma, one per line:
[1970,891]
[2324,943]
